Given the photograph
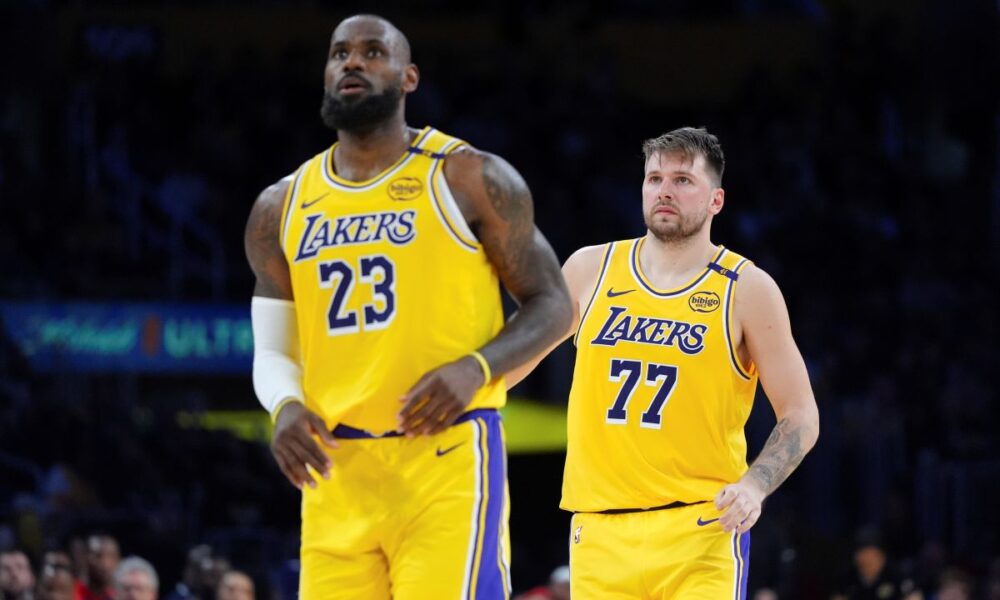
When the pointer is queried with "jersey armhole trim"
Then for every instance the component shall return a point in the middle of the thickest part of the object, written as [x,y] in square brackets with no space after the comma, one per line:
[597,286]
[744,371]
[289,208]
[445,205]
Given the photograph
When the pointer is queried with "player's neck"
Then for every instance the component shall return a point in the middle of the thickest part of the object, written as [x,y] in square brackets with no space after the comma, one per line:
[362,155]
[672,263]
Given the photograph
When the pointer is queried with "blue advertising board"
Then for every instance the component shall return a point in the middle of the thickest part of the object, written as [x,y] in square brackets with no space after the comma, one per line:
[130,337]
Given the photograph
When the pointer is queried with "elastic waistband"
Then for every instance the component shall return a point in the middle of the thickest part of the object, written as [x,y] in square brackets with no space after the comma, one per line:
[621,511]
[346,432]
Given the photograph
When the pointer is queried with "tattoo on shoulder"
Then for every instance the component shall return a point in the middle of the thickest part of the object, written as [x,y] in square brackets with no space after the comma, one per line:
[508,193]
[265,218]
[263,245]
[507,233]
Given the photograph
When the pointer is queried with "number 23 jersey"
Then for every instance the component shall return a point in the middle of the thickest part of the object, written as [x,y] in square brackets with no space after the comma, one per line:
[389,283]
[659,396]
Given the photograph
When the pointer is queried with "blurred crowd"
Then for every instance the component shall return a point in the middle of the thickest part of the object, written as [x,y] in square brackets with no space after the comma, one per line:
[865,180]
[92,568]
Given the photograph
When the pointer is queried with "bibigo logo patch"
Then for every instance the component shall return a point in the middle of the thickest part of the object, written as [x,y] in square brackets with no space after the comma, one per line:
[405,188]
[704,302]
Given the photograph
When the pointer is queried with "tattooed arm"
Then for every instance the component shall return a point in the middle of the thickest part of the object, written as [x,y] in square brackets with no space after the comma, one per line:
[263,246]
[497,204]
[762,324]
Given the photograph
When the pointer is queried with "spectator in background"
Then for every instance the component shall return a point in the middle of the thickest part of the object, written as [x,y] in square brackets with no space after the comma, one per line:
[559,583]
[103,557]
[235,585]
[135,579]
[77,553]
[557,588]
[202,573]
[873,577]
[955,584]
[17,580]
[187,587]
[56,583]
[57,558]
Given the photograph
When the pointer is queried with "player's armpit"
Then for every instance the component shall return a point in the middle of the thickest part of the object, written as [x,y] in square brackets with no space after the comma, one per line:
[262,243]
[498,205]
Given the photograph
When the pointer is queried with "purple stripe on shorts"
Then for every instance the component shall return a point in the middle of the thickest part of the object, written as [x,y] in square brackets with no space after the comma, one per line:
[491,581]
[741,552]
[469,576]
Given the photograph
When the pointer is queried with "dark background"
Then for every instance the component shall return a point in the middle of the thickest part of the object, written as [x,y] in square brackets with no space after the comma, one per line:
[863,174]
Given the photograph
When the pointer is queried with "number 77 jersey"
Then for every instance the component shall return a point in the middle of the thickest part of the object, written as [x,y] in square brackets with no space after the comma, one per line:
[389,283]
[659,396]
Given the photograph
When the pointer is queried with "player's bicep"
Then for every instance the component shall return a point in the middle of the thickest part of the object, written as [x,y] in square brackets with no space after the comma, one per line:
[767,334]
[262,243]
[502,210]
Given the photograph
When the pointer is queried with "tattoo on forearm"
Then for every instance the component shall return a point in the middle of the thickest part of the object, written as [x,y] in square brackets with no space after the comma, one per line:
[781,454]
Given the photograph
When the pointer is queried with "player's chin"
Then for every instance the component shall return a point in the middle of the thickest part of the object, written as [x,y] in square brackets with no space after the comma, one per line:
[661,228]
[353,97]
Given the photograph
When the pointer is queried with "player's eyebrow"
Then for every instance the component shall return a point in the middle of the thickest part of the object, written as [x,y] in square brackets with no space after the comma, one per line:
[367,42]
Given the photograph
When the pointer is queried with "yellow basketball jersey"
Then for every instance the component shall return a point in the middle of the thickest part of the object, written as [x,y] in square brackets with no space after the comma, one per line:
[389,283]
[659,397]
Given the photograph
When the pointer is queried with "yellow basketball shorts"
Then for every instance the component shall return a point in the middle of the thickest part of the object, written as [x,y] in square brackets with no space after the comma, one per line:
[410,519]
[672,554]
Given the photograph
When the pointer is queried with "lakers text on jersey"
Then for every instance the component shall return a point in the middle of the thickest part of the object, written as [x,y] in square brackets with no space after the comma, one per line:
[659,396]
[389,283]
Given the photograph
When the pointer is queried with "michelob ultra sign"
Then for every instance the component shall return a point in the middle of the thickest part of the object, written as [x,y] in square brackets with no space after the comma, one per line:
[130,337]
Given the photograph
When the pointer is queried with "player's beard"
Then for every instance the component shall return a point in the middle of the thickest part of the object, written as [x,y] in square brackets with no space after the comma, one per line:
[686,227]
[361,115]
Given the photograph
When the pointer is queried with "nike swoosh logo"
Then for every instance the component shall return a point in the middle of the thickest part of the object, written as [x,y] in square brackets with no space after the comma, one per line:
[308,204]
[441,452]
[612,293]
[703,523]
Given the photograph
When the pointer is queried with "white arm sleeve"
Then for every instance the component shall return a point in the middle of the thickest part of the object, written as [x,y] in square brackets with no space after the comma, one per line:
[277,360]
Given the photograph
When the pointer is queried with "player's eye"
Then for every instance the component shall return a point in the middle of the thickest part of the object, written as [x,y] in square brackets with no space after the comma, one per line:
[682,179]
[339,54]
[374,53]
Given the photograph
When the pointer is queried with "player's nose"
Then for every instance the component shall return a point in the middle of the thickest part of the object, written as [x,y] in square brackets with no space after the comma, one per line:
[354,61]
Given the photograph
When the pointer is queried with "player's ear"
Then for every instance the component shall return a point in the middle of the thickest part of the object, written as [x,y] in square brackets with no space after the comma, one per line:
[411,78]
[718,200]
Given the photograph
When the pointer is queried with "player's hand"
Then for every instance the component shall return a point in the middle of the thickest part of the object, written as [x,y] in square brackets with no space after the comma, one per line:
[293,444]
[440,397]
[742,504]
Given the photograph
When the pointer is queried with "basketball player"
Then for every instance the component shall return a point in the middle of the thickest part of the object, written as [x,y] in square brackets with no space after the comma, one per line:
[672,332]
[378,330]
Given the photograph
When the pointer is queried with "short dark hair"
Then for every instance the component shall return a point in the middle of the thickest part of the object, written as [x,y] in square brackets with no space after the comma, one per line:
[689,142]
